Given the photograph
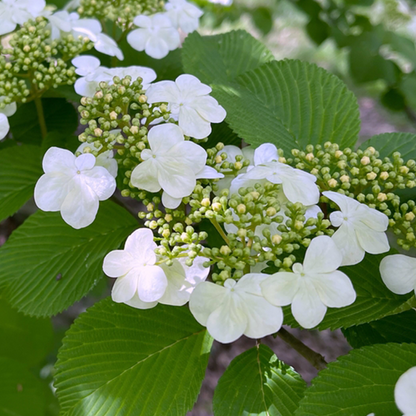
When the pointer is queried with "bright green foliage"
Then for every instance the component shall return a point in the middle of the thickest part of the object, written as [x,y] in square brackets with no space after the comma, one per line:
[388,143]
[117,360]
[221,58]
[257,384]
[22,394]
[395,328]
[20,168]
[46,265]
[59,115]
[374,300]
[25,339]
[359,383]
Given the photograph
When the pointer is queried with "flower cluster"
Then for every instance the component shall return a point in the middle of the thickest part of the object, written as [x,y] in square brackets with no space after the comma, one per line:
[271,232]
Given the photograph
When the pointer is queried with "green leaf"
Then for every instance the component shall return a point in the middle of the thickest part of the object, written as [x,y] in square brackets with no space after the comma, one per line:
[221,58]
[60,139]
[263,19]
[388,143]
[29,340]
[20,168]
[59,115]
[117,360]
[359,383]
[396,328]
[46,265]
[374,301]
[257,383]
[22,394]
[277,103]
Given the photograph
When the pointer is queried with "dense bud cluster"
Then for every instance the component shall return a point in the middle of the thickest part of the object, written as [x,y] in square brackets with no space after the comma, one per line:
[119,11]
[31,63]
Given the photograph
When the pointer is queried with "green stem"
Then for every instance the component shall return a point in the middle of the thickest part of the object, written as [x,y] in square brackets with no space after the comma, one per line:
[313,357]
[41,115]
[220,230]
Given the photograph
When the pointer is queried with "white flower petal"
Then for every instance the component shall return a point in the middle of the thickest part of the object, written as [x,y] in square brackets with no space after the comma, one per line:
[51,190]
[346,240]
[117,263]
[59,160]
[4,126]
[176,179]
[108,46]
[346,204]
[142,21]
[188,153]
[178,290]
[9,109]
[209,109]
[191,87]
[163,91]
[85,88]
[85,64]
[399,273]
[169,201]
[322,256]
[6,26]
[163,137]
[193,124]
[135,302]
[207,172]
[280,288]
[152,284]
[335,289]
[404,392]
[373,242]
[141,246]
[145,176]
[100,181]
[85,161]
[125,287]
[372,218]
[265,153]
[156,47]
[299,186]
[307,307]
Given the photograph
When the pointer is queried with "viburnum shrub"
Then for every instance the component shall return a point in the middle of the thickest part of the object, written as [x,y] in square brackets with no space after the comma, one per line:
[227,197]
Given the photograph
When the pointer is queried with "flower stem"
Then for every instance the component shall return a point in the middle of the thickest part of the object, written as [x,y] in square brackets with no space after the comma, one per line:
[41,116]
[220,230]
[313,357]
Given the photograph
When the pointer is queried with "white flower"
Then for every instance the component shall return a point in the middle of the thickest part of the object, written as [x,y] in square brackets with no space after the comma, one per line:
[188,99]
[89,28]
[7,111]
[108,46]
[86,65]
[235,309]
[105,159]
[297,185]
[404,392]
[147,75]
[156,35]
[73,185]
[313,286]
[183,15]
[141,283]
[17,12]
[171,164]
[361,229]
[399,273]
[58,22]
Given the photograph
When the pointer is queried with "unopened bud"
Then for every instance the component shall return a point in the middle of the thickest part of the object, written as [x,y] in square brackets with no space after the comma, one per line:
[338,154]
[98,132]
[276,239]
[206,202]
[113,115]
[344,178]
[241,209]
[216,206]
[371,176]
[332,183]
[365,160]
[409,216]
[384,175]
[382,197]
[309,157]
[225,250]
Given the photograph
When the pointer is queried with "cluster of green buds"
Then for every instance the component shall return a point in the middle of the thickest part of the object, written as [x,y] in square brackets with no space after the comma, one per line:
[119,11]
[379,182]
[31,63]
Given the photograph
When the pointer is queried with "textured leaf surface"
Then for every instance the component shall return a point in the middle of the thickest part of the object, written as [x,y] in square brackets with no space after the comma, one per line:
[22,394]
[396,328]
[46,265]
[359,383]
[256,384]
[117,360]
[23,338]
[20,168]
[222,57]
[374,301]
[388,143]
[312,105]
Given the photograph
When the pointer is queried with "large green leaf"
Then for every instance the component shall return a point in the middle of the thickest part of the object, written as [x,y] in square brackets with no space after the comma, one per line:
[117,360]
[359,383]
[20,168]
[59,115]
[220,58]
[22,394]
[290,103]
[395,328]
[388,143]
[24,339]
[46,265]
[374,301]
[257,384]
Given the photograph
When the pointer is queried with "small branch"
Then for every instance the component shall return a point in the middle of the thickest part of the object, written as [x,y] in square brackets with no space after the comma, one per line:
[220,230]
[41,115]
[313,357]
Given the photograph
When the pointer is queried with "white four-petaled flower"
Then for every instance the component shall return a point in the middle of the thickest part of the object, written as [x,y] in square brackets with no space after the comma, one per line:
[73,185]
[141,283]
[399,273]
[189,103]
[6,112]
[361,229]
[312,287]
[235,309]
[183,15]
[155,35]
[404,392]
[171,164]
